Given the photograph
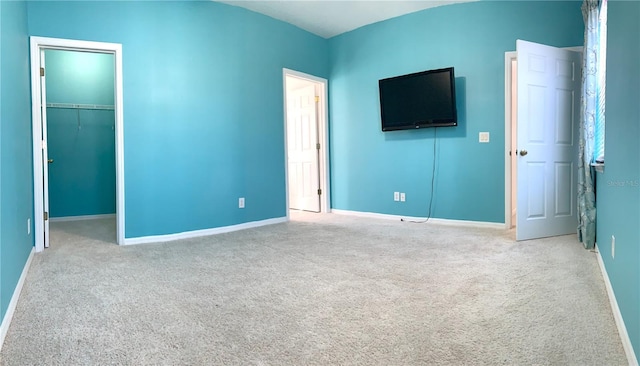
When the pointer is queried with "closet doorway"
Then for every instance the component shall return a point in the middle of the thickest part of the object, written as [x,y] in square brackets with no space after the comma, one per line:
[77,133]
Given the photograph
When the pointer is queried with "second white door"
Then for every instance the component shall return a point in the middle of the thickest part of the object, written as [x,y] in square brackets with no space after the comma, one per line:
[547,151]
[302,148]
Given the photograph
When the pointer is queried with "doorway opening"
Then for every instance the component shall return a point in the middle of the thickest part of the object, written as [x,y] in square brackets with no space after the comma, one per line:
[542,86]
[306,152]
[77,120]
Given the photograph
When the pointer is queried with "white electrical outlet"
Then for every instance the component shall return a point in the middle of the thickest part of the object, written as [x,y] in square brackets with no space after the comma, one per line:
[613,246]
[396,196]
[241,202]
[403,197]
[483,137]
[28,226]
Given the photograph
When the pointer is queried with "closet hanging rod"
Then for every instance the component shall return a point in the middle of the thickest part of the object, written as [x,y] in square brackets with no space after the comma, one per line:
[80,106]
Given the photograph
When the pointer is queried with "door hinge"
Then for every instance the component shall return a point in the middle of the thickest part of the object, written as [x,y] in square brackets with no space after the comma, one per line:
[46,216]
[319,192]
[42,71]
[317,99]
[318,146]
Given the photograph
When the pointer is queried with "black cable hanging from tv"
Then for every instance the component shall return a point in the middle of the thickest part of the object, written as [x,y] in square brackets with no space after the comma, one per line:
[433,176]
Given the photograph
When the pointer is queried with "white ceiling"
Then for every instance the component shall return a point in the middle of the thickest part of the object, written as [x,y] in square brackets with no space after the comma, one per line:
[329,18]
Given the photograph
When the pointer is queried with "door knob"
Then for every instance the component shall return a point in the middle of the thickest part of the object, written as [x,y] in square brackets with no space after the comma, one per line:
[50,161]
[523,152]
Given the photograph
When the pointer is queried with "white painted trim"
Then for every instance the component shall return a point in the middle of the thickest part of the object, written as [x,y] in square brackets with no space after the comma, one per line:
[38,44]
[575,48]
[205,232]
[8,316]
[617,315]
[81,218]
[508,57]
[374,215]
[36,130]
[323,136]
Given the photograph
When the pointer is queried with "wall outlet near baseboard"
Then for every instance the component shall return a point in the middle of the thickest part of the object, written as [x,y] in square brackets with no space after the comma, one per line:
[29,226]
[396,196]
[613,246]
[403,197]
[241,202]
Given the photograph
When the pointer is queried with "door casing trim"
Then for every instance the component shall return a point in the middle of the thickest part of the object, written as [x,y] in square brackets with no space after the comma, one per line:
[41,43]
[323,137]
[508,57]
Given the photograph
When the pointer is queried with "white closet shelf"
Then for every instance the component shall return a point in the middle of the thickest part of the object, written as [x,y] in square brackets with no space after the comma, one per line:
[80,106]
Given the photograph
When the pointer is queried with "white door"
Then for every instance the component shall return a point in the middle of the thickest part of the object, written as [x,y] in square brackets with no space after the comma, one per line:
[548,114]
[302,149]
[45,155]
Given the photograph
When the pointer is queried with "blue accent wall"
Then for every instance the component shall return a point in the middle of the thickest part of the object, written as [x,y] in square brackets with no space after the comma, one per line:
[368,165]
[203,105]
[16,177]
[80,77]
[618,188]
[204,124]
[82,178]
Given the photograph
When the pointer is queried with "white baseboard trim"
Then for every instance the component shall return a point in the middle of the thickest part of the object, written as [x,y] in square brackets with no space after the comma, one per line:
[482,224]
[80,218]
[6,321]
[205,232]
[617,315]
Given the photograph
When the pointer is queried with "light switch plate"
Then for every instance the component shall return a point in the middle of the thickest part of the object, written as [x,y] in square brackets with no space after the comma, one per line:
[483,137]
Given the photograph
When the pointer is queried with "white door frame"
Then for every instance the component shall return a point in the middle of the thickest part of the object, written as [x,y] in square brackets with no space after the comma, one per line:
[42,43]
[322,136]
[508,57]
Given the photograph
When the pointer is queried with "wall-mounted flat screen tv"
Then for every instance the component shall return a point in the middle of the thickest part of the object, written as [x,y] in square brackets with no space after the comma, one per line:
[422,99]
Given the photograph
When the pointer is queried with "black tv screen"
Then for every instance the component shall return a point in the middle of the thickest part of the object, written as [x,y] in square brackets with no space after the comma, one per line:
[422,99]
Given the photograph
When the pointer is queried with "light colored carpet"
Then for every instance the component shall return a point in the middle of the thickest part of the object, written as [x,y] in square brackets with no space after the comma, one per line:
[320,290]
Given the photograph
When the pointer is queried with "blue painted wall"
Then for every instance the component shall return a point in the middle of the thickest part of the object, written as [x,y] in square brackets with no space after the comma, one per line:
[203,123]
[79,77]
[367,165]
[82,178]
[203,105]
[618,188]
[16,177]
